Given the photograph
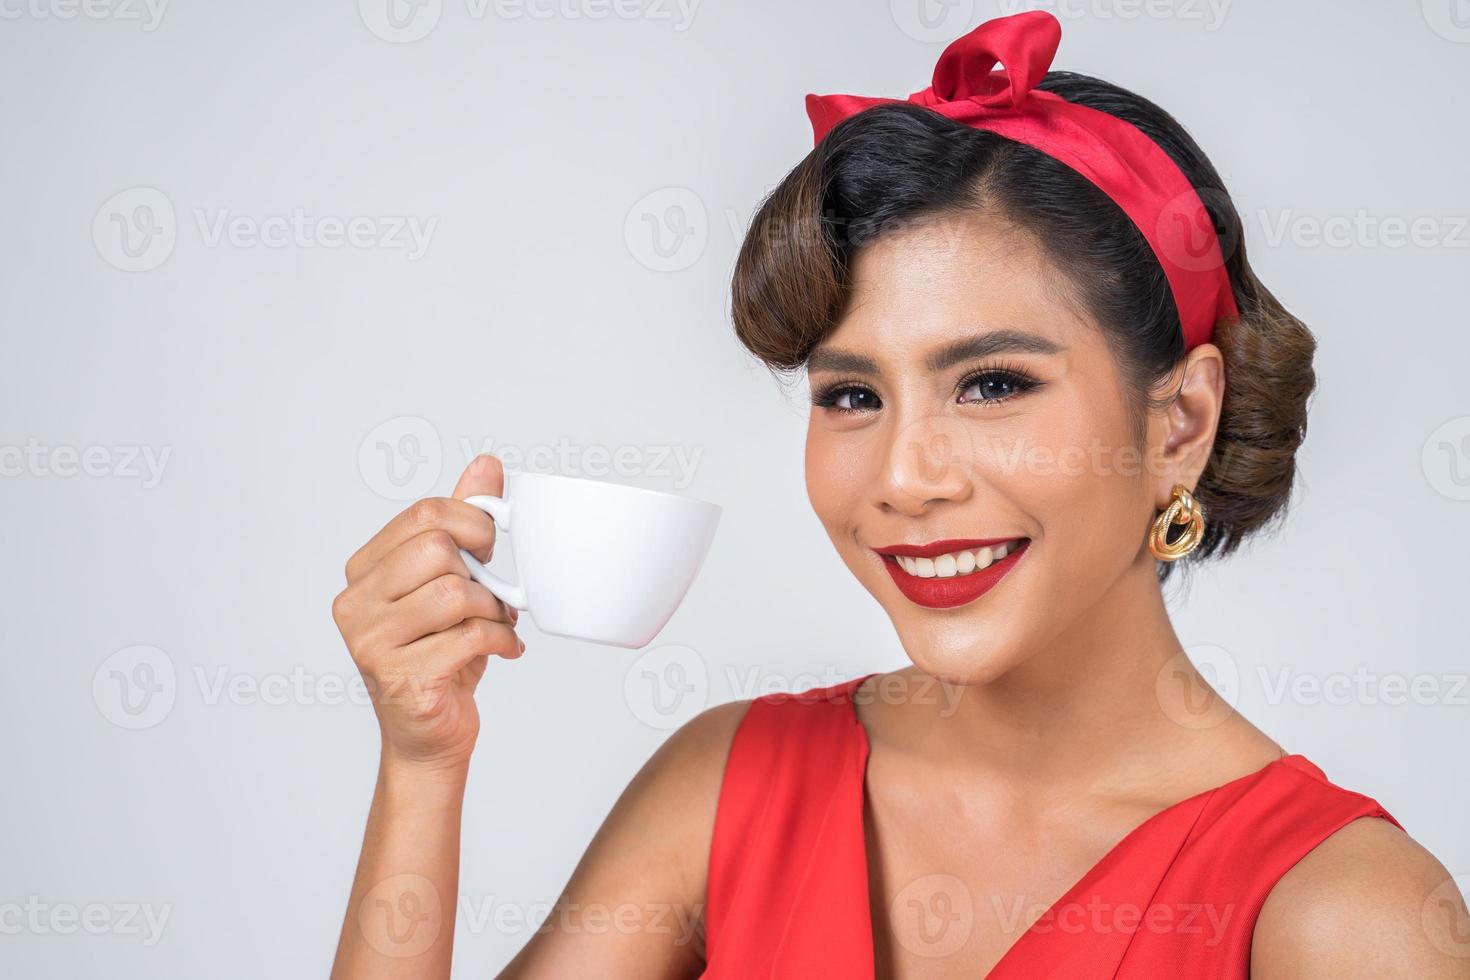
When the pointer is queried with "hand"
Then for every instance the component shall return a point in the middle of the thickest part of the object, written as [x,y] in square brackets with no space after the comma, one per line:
[420,629]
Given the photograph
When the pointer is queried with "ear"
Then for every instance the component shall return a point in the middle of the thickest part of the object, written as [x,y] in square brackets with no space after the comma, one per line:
[1183,433]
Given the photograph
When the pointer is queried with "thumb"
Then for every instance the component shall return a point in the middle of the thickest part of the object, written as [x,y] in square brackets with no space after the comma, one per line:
[484,475]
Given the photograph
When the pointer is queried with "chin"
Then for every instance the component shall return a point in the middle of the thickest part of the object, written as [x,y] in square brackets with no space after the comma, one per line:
[950,653]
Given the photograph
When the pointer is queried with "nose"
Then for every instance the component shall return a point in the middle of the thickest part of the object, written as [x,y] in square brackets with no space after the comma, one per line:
[928,460]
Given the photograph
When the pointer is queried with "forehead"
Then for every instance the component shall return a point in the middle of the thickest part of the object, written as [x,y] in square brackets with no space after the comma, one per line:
[924,282]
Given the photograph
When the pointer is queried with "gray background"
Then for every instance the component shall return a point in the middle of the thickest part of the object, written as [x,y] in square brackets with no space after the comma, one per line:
[180,727]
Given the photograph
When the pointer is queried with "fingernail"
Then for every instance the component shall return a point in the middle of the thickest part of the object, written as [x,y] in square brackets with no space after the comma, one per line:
[522,644]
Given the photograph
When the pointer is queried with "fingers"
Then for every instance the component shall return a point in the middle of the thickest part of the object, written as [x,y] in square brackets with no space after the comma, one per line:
[438,605]
[467,526]
[458,646]
[412,564]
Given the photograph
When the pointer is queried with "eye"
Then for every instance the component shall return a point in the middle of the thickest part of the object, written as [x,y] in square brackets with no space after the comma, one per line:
[846,396]
[996,385]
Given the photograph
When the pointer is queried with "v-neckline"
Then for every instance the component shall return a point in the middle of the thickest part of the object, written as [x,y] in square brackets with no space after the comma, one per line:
[865,751]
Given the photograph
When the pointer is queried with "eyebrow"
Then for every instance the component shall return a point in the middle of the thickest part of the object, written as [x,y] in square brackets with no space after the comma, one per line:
[956,352]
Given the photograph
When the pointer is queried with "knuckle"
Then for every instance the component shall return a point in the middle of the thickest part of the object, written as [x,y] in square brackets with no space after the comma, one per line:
[488,636]
[427,513]
[451,591]
[438,546]
[477,632]
[343,606]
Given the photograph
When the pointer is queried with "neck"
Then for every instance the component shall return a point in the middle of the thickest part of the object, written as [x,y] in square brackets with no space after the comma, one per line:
[1101,703]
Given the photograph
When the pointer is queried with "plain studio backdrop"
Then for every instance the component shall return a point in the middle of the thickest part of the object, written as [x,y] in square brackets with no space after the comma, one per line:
[270,270]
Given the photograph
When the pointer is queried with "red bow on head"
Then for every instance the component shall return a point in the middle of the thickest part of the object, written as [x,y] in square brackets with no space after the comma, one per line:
[1113,154]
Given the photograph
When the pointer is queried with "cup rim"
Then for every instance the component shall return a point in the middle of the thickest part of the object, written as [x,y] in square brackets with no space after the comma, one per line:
[511,474]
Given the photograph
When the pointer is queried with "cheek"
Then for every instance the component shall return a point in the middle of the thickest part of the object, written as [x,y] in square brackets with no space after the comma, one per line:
[1070,468]
[832,481]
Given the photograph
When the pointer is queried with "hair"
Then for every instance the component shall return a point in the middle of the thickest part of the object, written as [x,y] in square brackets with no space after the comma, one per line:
[898,162]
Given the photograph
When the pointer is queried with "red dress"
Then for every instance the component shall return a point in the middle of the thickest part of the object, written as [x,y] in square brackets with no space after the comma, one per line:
[1177,897]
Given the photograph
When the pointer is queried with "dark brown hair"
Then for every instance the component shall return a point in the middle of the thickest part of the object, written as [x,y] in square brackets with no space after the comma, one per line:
[897,163]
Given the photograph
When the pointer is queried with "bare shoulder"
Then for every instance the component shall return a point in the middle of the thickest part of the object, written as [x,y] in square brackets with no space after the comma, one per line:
[1369,901]
[634,905]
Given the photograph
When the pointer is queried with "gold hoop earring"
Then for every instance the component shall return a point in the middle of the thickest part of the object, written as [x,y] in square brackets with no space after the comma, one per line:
[1183,509]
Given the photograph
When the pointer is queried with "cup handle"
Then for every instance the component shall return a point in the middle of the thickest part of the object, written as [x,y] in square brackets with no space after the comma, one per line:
[499,510]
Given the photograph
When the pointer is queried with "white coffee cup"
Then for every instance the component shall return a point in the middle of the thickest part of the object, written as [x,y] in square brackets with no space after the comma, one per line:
[597,561]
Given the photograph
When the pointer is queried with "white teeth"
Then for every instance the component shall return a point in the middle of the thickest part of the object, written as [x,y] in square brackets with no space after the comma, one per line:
[955,563]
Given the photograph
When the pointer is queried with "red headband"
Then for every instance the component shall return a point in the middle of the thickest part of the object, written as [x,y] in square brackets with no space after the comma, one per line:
[1113,154]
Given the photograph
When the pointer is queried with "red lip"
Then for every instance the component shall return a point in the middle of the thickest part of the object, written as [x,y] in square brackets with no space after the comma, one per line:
[946,593]
[936,548]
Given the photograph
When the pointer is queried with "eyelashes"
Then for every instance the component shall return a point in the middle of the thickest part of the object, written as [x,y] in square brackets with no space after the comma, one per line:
[1013,380]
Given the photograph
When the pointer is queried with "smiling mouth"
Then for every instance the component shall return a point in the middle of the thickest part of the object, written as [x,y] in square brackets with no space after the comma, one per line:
[944,574]
[961,562]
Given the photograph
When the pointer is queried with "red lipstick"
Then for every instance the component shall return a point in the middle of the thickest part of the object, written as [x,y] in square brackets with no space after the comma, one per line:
[955,590]
[936,548]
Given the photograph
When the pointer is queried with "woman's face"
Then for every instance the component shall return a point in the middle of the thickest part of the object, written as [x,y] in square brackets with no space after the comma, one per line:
[963,399]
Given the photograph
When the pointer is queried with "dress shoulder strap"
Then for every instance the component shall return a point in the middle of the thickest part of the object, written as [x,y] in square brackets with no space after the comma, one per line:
[1244,839]
[788,835]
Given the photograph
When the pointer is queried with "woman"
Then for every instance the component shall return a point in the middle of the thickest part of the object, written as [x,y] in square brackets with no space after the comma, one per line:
[1042,371]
